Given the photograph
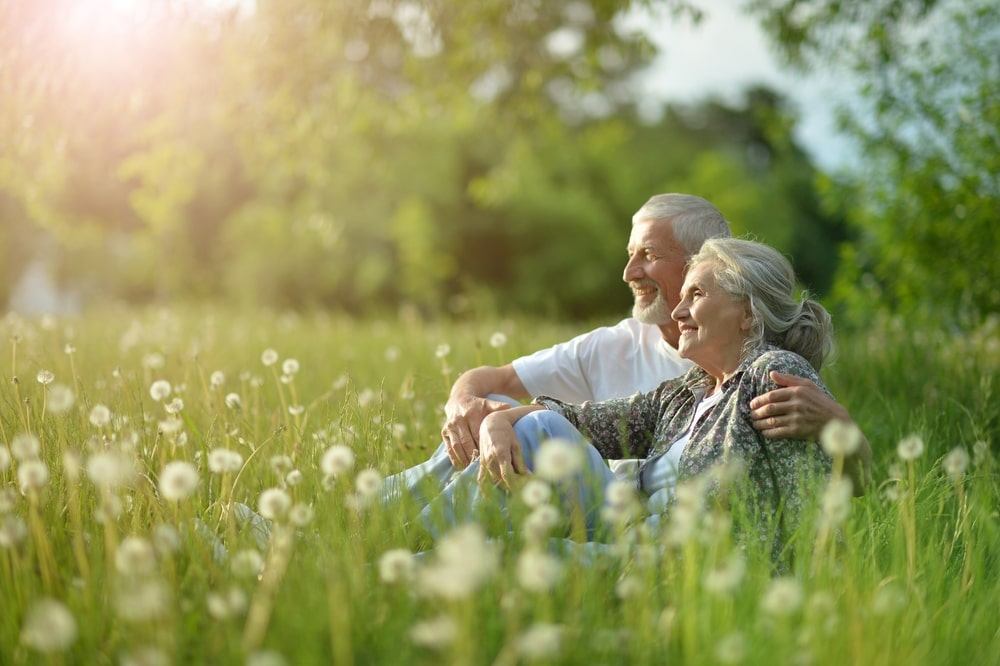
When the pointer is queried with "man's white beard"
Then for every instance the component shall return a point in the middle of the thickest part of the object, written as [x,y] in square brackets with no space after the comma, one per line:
[656,313]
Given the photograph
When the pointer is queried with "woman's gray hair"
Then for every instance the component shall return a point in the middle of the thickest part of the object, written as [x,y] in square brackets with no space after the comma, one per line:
[765,278]
[693,220]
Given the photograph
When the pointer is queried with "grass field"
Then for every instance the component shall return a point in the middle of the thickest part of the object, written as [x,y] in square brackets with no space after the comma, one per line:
[128,437]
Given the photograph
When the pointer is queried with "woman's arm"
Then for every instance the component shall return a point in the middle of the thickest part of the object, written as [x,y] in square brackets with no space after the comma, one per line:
[500,451]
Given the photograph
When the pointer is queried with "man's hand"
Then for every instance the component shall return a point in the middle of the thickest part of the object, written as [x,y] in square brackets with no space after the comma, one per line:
[460,432]
[798,410]
[501,460]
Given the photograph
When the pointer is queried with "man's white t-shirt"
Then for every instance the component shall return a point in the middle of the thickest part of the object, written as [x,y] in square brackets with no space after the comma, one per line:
[608,362]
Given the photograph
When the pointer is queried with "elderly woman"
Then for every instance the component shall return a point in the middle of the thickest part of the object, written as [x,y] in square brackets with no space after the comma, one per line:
[739,321]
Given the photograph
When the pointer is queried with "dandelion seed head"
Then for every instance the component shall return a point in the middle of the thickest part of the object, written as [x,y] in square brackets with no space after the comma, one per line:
[45,377]
[5,458]
[143,600]
[147,655]
[266,658]
[888,599]
[153,361]
[274,503]
[621,493]
[980,453]
[100,416]
[337,460]
[464,561]
[178,480]
[392,354]
[628,587]
[109,509]
[170,426]
[290,366]
[498,340]
[538,571]
[69,349]
[540,522]
[367,483]
[725,579]
[160,390]
[60,399]
[269,357]
[365,397]
[110,469]
[217,379]
[233,401]
[731,649]
[247,563]
[536,493]
[783,597]
[135,557]
[442,350]
[281,464]
[224,461]
[296,410]
[8,500]
[13,530]
[48,626]
[32,475]
[541,641]
[293,478]
[301,515]
[25,446]
[558,459]
[840,438]
[397,566]
[910,447]
[436,633]
[836,503]
[225,605]
[175,406]
[954,464]
[166,539]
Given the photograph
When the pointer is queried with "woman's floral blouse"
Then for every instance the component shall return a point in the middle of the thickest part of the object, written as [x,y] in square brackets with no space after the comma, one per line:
[645,425]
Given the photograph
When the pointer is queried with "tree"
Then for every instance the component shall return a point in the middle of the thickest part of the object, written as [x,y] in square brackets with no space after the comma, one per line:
[924,196]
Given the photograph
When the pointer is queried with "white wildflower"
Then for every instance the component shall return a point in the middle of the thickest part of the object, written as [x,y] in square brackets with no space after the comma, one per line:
[840,438]
[538,571]
[290,366]
[143,600]
[217,379]
[910,447]
[723,580]
[48,626]
[442,350]
[8,499]
[223,461]
[293,478]
[498,340]
[108,511]
[397,566]
[175,406]
[365,397]
[233,401]
[266,658]
[464,561]
[160,390]
[337,460]
[628,587]
[558,459]
[178,480]
[836,503]
[296,410]
[25,446]
[540,522]
[225,605]
[954,464]
[45,377]
[536,493]
[392,354]
[170,426]
[100,416]
[135,557]
[153,361]
[148,655]
[281,464]
[247,563]
[367,483]
[110,469]
[782,597]
[32,475]
[301,515]
[541,641]
[436,633]
[166,539]
[269,357]
[5,458]
[60,399]
[13,530]
[274,503]
[731,649]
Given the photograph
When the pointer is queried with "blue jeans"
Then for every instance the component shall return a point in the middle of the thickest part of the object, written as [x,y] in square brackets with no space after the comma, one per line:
[460,497]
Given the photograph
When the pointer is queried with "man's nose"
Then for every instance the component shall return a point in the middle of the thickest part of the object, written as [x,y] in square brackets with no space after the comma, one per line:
[632,270]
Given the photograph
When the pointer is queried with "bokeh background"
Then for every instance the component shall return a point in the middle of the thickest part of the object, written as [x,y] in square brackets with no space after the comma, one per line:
[481,157]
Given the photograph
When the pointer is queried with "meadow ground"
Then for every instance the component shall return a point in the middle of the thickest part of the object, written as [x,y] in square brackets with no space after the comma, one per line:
[129,438]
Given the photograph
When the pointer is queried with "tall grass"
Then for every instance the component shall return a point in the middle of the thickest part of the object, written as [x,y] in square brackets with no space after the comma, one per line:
[103,560]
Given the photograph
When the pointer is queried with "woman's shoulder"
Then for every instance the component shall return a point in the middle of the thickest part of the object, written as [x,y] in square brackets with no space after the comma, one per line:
[775,359]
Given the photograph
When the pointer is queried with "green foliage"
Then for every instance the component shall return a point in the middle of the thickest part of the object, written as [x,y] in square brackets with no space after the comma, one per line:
[923,199]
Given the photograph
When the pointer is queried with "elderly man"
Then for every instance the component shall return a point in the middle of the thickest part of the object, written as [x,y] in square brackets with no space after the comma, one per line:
[637,354]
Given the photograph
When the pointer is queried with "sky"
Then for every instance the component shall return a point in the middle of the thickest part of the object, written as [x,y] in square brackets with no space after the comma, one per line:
[726,53]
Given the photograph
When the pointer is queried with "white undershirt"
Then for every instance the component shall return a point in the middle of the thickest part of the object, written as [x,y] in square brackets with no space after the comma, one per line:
[659,477]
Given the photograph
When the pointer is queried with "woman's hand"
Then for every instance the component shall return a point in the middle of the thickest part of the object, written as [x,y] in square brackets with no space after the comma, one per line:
[500,459]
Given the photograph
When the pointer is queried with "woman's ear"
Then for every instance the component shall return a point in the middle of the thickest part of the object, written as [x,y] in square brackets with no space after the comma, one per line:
[747,322]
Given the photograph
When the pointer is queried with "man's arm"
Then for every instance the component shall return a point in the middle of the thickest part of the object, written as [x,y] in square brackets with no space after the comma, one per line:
[467,406]
[799,410]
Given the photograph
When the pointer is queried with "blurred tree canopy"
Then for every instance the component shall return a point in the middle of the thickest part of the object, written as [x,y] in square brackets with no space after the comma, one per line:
[363,154]
[924,198]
